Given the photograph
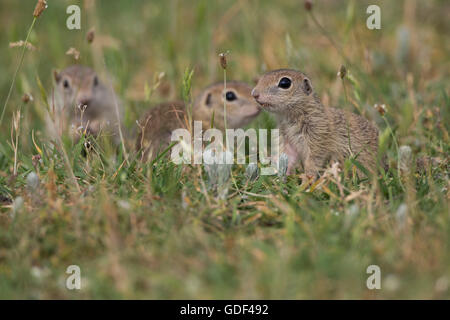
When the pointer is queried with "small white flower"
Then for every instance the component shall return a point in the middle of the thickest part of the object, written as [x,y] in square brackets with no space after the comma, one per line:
[32,181]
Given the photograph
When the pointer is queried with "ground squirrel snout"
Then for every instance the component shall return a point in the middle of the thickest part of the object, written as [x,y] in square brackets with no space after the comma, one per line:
[311,133]
[159,122]
[83,101]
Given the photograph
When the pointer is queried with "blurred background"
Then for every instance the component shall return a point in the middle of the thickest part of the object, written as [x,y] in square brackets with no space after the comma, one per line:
[139,39]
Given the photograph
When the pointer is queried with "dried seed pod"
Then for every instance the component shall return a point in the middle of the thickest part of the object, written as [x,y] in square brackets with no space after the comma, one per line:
[90,35]
[36,159]
[223,60]
[381,108]
[73,52]
[41,5]
[27,98]
[21,43]
[308,5]
[342,72]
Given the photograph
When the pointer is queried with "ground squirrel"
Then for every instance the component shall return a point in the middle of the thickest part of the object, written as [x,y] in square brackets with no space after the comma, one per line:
[82,102]
[311,133]
[159,122]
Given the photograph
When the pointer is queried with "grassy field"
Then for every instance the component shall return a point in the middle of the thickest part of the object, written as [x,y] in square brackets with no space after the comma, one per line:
[154,231]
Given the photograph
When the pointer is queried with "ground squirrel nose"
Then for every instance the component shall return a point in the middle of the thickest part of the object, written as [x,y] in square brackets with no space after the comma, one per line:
[255,94]
[84,101]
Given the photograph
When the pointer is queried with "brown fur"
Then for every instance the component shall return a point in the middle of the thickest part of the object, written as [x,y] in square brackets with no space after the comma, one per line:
[311,133]
[159,122]
[84,88]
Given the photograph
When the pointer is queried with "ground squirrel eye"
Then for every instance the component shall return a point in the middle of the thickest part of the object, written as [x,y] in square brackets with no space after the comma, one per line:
[208,100]
[95,81]
[230,96]
[284,83]
[66,84]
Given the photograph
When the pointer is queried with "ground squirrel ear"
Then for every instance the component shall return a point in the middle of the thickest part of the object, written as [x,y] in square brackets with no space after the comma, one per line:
[307,87]
[208,100]
[57,76]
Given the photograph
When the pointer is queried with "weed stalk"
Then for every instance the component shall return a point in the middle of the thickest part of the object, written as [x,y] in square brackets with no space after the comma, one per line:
[22,56]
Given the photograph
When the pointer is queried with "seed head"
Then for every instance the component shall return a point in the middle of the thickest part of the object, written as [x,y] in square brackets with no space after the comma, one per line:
[90,35]
[21,43]
[41,5]
[223,60]
[342,72]
[27,98]
[308,5]
[73,52]
[16,120]
[381,108]
[36,159]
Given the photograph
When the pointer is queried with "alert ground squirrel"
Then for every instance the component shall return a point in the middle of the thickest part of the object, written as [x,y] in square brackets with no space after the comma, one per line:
[159,122]
[311,133]
[82,103]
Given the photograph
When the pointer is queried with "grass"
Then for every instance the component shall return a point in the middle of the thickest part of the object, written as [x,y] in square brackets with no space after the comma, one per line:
[154,231]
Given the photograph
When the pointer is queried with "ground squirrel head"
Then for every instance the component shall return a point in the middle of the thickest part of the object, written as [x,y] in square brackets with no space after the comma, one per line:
[240,106]
[280,89]
[78,86]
